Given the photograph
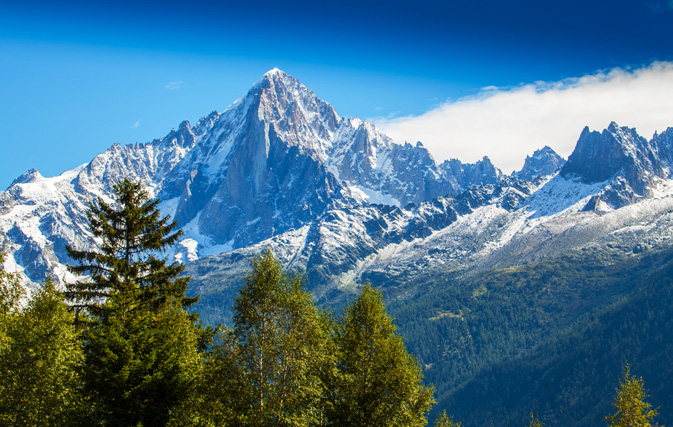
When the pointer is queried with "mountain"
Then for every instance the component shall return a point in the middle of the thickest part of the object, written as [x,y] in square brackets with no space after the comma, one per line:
[276,159]
[490,226]
[543,162]
[40,216]
[628,163]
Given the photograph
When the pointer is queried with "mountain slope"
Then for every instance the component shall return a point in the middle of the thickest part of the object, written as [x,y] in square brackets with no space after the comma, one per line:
[485,227]
[275,160]
[40,216]
[567,352]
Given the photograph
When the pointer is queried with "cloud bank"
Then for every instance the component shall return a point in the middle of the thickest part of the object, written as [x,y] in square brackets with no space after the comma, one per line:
[507,124]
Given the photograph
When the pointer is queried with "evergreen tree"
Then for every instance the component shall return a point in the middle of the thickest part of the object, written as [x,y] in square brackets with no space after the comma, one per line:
[277,349]
[142,358]
[125,266]
[631,408]
[378,383]
[39,368]
[142,368]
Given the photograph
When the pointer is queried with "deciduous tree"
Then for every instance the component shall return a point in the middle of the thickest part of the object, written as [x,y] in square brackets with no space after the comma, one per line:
[444,420]
[631,408]
[534,421]
[40,384]
[278,348]
[378,383]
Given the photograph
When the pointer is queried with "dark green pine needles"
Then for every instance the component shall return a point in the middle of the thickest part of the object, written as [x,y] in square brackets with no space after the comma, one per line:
[125,268]
[142,348]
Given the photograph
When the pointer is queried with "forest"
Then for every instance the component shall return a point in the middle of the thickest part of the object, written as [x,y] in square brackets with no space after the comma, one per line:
[125,346]
[550,337]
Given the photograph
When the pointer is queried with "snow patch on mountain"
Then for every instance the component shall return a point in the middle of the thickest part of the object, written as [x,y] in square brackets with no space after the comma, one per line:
[559,195]
[371,196]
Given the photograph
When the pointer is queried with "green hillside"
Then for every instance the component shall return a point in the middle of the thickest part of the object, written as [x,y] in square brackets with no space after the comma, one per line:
[550,337]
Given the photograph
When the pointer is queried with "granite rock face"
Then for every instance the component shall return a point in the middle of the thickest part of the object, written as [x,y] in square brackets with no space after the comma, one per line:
[280,156]
[628,163]
[276,159]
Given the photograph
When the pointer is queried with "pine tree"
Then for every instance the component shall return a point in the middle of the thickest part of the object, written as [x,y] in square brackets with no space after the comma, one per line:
[631,408]
[125,267]
[142,368]
[278,349]
[39,369]
[142,358]
[378,383]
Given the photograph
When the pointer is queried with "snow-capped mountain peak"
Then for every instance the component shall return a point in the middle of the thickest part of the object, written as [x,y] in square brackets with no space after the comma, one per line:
[28,176]
[542,162]
[618,155]
[294,111]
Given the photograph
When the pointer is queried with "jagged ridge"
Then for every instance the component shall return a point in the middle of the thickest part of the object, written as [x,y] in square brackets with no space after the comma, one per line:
[274,160]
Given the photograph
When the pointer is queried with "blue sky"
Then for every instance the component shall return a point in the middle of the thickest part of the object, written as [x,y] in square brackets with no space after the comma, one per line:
[75,77]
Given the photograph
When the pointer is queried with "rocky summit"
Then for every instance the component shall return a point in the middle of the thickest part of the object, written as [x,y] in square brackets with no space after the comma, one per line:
[543,162]
[628,163]
[275,160]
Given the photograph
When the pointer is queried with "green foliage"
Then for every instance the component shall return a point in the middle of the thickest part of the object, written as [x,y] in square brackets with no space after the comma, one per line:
[443,420]
[278,348]
[377,381]
[142,347]
[142,367]
[534,421]
[219,387]
[285,363]
[125,268]
[547,336]
[39,368]
[630,405]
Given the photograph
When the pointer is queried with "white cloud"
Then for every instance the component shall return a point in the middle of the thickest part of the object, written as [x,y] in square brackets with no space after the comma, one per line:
[174,85]
[135,125]
[507,124]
